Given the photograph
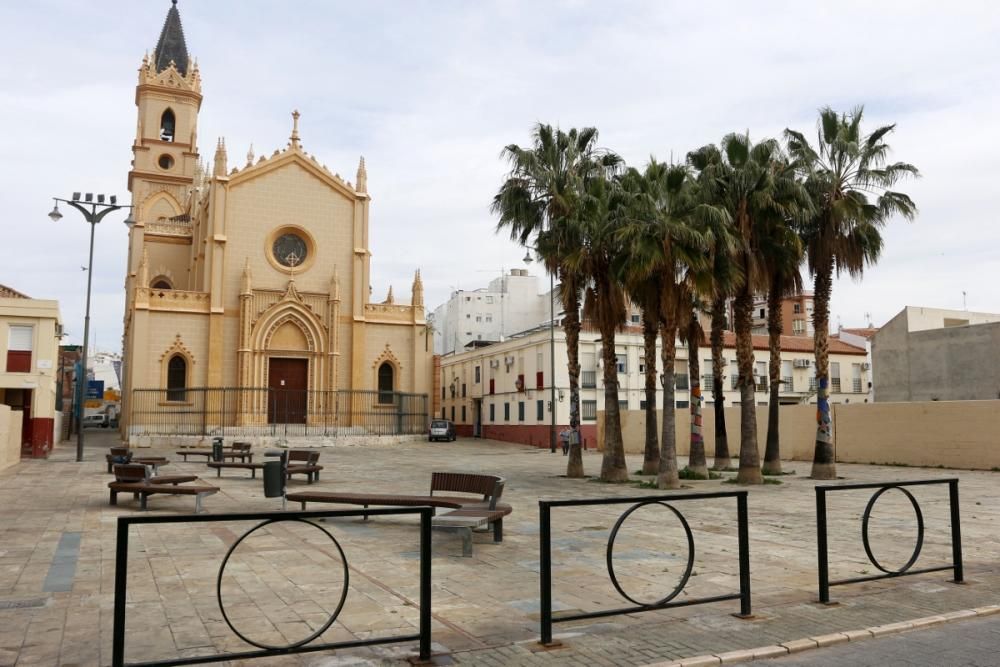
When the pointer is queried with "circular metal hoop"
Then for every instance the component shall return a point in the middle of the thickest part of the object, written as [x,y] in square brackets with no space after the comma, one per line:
[301,642]
[920,530]
[687,569]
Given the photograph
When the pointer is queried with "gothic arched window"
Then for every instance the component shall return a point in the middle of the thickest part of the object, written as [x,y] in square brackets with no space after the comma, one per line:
[385,382]
[167,125]
[161,283]
[176,378]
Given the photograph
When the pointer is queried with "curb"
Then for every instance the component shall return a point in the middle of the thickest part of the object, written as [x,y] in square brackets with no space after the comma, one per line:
[799,645]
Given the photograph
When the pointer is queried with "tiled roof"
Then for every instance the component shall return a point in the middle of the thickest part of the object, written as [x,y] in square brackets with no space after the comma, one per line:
[864,332]
[8,293]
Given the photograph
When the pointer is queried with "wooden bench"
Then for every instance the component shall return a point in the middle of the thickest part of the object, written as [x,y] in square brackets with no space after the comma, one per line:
[242,454]
[118,455]
[135,479]
[304,462]
[466,513]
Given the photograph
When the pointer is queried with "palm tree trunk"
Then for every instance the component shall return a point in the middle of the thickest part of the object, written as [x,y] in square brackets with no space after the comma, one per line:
[749,471]
[571,326]
[651,453]
[772,451]
[667,477]
[824,464]
[696,458]
[613,466]
[722,460]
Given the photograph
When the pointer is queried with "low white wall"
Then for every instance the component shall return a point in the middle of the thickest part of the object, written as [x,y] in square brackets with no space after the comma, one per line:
[10,437]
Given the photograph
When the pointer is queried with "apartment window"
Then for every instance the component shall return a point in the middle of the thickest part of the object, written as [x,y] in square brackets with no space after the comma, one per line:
[588,410]
[489,318]
[621,363]
[797,308]
[642,367]
[468,298]
[19,348]
[443,414]
[856,378]
[479,318]
[763,313]
[520,411]
[540,410]
[463,390]
[468,316]
[477,375]
[683,404]
[623,405]
[463,414]
[506,412]
[489,299]
[635,318]
[835,377]
[453,413]
[540,380]
[681,381]
[493,413]
[798,326]
[733,381]
[492,386]
[588,379]
[642,405]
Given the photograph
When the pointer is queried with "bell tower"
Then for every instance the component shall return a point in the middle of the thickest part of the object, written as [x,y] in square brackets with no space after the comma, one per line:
[165,153]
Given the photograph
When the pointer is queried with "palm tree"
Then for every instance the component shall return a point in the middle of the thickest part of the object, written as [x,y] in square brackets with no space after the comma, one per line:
[538,204]
[756,185]
[849,178]
[692,334]
[644,290]
[600,257]
[782,250]
[663,245]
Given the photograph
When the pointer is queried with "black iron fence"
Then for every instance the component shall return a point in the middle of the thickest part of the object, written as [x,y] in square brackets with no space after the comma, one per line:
[906,569]
[305,645]
[545,545]
[259,411]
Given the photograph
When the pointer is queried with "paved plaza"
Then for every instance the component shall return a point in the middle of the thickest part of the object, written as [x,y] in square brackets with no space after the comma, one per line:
[57,550]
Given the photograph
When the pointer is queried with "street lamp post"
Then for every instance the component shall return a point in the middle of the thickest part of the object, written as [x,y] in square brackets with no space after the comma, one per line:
[93,212]
[552,356]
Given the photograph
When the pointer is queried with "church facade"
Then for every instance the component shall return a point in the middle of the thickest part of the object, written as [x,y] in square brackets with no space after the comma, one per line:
[247,286]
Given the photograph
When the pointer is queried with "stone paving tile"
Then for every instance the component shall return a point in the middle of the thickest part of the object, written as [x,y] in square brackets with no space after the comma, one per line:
[283,582]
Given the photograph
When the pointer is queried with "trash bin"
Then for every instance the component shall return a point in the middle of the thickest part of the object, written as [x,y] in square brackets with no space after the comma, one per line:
[274,483]
[217,449]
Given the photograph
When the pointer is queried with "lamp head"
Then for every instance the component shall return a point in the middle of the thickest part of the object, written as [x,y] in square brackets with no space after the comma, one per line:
[527,257]
[55,215]
[129,221]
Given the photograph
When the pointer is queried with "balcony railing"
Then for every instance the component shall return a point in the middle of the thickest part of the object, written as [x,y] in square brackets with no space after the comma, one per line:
[588,379]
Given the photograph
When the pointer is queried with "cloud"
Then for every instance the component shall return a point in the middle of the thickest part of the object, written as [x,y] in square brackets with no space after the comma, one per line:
[430,92]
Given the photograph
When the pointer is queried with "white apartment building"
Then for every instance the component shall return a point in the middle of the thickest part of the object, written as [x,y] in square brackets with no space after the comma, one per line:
[504,390]
[510,304]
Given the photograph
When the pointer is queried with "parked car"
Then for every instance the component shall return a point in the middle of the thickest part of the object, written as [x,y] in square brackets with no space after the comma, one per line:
[441,429]
[96,420]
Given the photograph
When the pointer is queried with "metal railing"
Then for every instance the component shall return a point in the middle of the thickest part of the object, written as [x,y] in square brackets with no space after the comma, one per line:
[250,411]
[265,650]
[545,546]
[588,379]
[834,385]
[681,381]
[821,533]
[856,385]
[787,384]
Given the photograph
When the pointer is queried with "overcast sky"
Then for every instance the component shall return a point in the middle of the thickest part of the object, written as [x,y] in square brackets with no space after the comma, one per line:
[429,93]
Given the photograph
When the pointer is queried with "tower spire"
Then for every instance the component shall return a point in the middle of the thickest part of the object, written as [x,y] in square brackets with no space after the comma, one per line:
[171,47]
[361,182]
[293,141]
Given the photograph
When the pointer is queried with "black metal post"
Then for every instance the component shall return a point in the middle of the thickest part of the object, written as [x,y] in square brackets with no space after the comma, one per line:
[821,548]
[425,583]
[81,391]
[744,538]
[552,363]
[545,567]
[956,531]
[121,581]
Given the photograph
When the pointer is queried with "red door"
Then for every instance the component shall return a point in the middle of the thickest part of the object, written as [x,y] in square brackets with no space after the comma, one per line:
[287,381]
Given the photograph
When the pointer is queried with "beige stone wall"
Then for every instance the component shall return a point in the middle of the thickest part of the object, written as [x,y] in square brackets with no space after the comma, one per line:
[10,437]
[160,337]
[798,431]
[170,260]
[955,434]
[395,344]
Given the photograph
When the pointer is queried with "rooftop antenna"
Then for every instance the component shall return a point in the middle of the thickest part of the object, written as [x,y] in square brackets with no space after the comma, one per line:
[964,304]
[868,319]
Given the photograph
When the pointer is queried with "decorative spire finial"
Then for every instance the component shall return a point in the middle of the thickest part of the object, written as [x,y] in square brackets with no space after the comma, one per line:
[250,156]
[389,298]
[247,280]
[362,179]
[418,290]
[294,139]
[220,158]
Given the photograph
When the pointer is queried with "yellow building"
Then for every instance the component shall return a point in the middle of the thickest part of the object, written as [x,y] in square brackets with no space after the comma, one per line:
[248,286]
[29,346]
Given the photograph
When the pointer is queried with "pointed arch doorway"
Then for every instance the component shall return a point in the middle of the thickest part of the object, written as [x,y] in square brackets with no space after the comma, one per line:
[287,383]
